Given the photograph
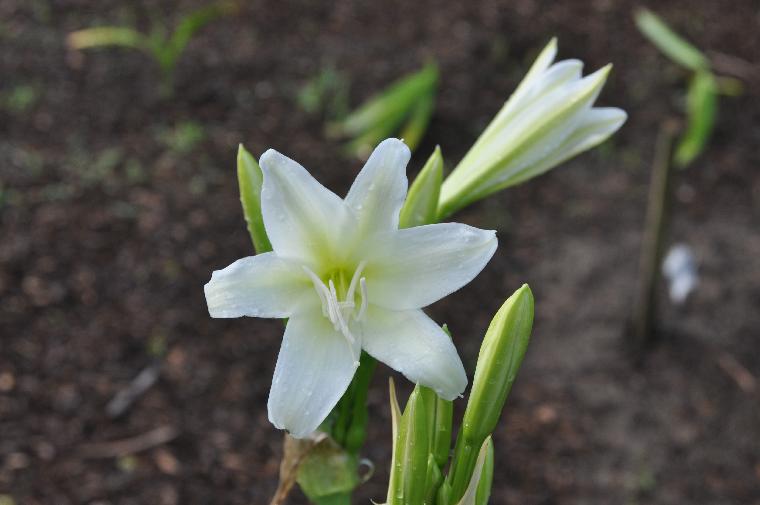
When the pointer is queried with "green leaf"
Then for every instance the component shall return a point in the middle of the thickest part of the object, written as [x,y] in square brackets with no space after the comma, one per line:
[421,202]
[395,482]
[188,26]
[479,486]
[483,492]
[250,179]
[362,145]
[417,124]
[393,104]
[433,480]
[103,36]
[328,473]
[669,42]
[701,105]
[415,448]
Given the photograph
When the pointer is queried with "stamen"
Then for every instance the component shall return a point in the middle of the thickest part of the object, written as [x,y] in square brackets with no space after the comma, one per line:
[341,312]
[354,280]
[321,290]
[365,302]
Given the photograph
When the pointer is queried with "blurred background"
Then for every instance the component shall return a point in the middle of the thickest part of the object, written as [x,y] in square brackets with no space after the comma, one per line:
[118,197]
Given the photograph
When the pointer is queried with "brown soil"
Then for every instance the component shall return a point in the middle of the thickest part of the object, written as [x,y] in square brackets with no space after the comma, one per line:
[109,233]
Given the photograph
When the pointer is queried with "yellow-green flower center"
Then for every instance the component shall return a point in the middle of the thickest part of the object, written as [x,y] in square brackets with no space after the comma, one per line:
[344,299]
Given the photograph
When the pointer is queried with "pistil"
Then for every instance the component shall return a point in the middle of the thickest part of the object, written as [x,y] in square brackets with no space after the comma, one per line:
[342,312]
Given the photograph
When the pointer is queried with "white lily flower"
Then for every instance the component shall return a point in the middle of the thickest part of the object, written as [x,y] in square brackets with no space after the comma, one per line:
[548,119]
[348,279]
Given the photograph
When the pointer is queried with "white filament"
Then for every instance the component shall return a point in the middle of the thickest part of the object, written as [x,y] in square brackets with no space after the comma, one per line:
[341,312]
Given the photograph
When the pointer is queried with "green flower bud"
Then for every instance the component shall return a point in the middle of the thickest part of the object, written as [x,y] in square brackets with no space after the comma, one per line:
[548,119]
[500,356]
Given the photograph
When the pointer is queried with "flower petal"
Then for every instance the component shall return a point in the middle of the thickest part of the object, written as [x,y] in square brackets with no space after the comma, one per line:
[595,127]
[303,219]
[259,286]
[378,192]
[313,370]
[412,343]
[414,267]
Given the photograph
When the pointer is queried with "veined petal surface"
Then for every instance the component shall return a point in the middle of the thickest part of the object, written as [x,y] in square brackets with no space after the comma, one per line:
[258,286]
[414,267]
[378,193]
[314,368]
[413,344]
[303,219]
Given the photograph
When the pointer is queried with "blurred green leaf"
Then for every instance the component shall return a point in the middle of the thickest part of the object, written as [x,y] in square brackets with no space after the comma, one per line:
[729,86]
[409,100]
[21,98]
[326,92]
[701,104]
[103,36]
[188,26]
[669,42]
[165,50]
[397,99]
[417,124]
[183,137]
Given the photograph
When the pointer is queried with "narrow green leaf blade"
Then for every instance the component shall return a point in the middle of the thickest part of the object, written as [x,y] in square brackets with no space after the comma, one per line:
[418,121]
[392,104]
[470,495]
[250,180]
[421,202]
[416,450]
[433,480]
[669,42]
[193,22]
[103,36]
[483,492]
[702,105]
[395,482]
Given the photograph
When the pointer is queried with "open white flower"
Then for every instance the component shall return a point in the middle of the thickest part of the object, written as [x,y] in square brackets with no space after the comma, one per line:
[548,119]
[348,279]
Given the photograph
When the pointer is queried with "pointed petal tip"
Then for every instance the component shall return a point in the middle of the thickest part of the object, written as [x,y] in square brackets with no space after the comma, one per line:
[394,143]
[552,46]
[270,158]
